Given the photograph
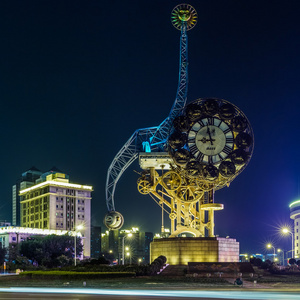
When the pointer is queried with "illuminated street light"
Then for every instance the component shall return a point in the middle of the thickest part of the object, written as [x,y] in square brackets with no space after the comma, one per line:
[128,254]
[279,251]
[270,246]
[79,227]
[123,246]
[286,230]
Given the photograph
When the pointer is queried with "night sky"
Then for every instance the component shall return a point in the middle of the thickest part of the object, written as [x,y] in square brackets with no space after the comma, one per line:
[79,77]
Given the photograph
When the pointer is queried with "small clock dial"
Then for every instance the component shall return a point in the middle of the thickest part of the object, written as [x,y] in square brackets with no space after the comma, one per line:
[210,140]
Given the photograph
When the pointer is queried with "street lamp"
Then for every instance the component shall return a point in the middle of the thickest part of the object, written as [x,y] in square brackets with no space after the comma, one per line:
[123,246]
[270,246]
[286,230]
[128,254]
[79,227]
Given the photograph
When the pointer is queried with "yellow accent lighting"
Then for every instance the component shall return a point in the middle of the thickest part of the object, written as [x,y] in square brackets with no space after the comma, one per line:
[57,183]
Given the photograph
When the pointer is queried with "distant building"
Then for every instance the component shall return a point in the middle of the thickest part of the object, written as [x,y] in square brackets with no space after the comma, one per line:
[136,245]
[148,240]
[110,243]
[95,241]
[27,179]
[12,236]
[295,215]
[244,257]
[53,203]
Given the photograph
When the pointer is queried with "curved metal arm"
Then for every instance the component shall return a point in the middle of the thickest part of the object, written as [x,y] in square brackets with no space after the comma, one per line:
[152,138]
[124,158]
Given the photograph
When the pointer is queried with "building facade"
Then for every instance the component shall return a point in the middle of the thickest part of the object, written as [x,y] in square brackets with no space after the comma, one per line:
[95,242]
[295,216]
[27,179]
[54,203]
[136,245]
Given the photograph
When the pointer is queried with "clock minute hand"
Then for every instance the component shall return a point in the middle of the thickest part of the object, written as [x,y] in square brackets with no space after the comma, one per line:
[211,140]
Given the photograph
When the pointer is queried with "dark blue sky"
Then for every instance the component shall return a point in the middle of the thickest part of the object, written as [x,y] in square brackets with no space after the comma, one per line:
[78,77]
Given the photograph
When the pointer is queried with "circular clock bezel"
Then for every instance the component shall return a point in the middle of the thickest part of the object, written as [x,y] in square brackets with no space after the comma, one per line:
[208,114]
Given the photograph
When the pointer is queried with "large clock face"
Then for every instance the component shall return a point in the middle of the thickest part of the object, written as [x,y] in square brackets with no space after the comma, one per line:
[210,140]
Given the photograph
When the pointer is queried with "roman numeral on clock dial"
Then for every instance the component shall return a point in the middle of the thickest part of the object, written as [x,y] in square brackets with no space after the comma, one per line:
[194,149]
[229,140]
[226,149]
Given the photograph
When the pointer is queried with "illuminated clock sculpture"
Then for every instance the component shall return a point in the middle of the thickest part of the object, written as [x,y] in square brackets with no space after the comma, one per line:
[199,148]
[210,142]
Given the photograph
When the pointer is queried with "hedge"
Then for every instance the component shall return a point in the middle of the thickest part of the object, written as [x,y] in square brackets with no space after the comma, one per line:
[75,275]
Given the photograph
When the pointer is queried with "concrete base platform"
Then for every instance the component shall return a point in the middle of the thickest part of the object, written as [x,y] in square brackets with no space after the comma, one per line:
[181,251]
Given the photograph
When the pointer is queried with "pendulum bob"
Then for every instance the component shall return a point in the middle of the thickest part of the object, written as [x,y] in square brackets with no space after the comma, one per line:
[113,220]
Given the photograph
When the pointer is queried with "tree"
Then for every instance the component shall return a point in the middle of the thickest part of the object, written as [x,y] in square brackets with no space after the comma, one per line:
[255,261]
[292,261]
[2,255]
[46,250]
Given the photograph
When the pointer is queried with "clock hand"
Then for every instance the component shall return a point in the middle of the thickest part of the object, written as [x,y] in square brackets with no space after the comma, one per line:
[211,140]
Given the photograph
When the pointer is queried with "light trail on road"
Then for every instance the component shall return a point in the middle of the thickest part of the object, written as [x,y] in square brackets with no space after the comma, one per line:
[245,294]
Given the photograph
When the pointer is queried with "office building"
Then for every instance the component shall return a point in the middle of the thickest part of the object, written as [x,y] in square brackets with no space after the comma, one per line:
[295,216]
[27,179]
[95,242]
[54,203]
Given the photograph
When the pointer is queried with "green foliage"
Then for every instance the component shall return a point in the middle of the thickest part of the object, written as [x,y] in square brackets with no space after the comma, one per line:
[2,254]
[256,261]
[75,275]
[50,251]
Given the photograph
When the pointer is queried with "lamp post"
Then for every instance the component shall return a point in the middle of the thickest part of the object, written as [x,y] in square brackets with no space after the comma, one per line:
[79,227]
[123,246]
[270,246]
[286,230]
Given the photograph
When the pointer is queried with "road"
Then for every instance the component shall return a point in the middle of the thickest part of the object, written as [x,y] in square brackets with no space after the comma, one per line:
[91,294]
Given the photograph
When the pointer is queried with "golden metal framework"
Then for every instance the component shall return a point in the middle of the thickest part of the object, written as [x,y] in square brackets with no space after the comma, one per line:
[188,201]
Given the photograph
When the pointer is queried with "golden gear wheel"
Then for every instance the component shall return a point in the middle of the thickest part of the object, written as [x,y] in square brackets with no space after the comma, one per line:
[171,181]
[189,194]
[184,13]
[205,186]
[143,186]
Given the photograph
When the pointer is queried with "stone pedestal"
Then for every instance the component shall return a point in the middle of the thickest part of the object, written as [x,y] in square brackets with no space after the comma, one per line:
[181,251]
